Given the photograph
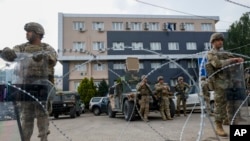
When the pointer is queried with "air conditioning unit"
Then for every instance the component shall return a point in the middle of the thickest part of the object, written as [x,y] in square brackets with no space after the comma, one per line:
[128,25]
[146,26]
[100,29]
[81,29]
[101,50]
[182,26]
[83,73]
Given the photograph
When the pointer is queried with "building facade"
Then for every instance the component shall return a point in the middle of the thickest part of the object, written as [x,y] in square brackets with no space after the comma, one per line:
[97,45]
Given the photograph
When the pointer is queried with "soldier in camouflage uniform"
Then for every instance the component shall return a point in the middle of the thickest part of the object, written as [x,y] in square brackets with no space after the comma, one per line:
[206,94]
[144,91]
[41,65]
[181,88]
[162,93]
[218,59]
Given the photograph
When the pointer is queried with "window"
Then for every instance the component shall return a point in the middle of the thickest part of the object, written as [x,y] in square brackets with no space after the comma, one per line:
[189,27]
[137,46]
[136,26]
[155,65]
[81,67]
[169,26]
[191,46]
[155,46]
[97,83]
[207,46]
[118,46]
[206,27]
[191,64]
[141,66]
[99,67]
[117,26]
[173,65]
[173,46]
[173,82]
[98,45]
[78,25]
[78,46]
[153,26]
[76,84]
[98,25]
[119,66]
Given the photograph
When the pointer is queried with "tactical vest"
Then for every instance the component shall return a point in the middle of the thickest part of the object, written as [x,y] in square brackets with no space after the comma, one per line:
[29,70]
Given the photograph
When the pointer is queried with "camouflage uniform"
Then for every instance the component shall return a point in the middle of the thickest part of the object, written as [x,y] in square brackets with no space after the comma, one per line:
[181,88]
[39,67]
[144,91]
[206,94]
[222,80]
[162,93]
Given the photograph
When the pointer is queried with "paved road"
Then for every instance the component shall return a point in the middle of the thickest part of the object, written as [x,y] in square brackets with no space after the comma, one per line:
[88,127]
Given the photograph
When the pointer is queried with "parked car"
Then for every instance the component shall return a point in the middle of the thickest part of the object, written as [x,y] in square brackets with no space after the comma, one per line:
[98,105]
[194,99]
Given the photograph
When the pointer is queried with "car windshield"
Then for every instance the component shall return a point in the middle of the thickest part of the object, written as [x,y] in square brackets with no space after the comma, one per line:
[193,90]
[57,98]
[69,97]
[96,99]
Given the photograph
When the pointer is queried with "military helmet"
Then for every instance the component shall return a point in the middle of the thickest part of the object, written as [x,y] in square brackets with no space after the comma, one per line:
[179,78]
[160,78]
[216,36]
[203,78]
[35,27]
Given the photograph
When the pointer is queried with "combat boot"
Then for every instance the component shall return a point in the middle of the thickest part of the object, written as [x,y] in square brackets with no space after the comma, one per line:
[163,115]
[185,113]
[169,118]
[226,121]
[146,119]
[219,130]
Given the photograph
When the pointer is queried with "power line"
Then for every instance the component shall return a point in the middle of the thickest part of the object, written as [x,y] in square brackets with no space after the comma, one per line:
[186,13]
[243,5]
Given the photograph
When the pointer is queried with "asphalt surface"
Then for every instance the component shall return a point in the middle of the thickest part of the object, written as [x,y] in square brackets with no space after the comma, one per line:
[88,127]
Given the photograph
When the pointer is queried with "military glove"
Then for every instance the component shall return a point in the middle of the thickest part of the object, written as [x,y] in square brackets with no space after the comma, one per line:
[8,54]
[37,57]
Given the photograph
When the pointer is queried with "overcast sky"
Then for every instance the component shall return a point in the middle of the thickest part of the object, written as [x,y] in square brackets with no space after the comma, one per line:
[15,13]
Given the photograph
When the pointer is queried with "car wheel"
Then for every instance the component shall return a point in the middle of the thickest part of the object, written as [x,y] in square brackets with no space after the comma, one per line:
[96,111]
[172,107]
[129,110]
[78,113]
[72,112]
[56,115]
[110,112]
[212,106]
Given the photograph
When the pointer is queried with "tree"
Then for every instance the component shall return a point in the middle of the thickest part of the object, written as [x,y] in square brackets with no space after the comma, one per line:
[238,39]
[87,90]
[103,88]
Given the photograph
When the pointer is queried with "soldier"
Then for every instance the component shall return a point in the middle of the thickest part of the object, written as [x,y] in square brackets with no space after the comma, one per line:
[181,88]
[218,59]
[206,94]
[162,93]
[144,91]
[33,71]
